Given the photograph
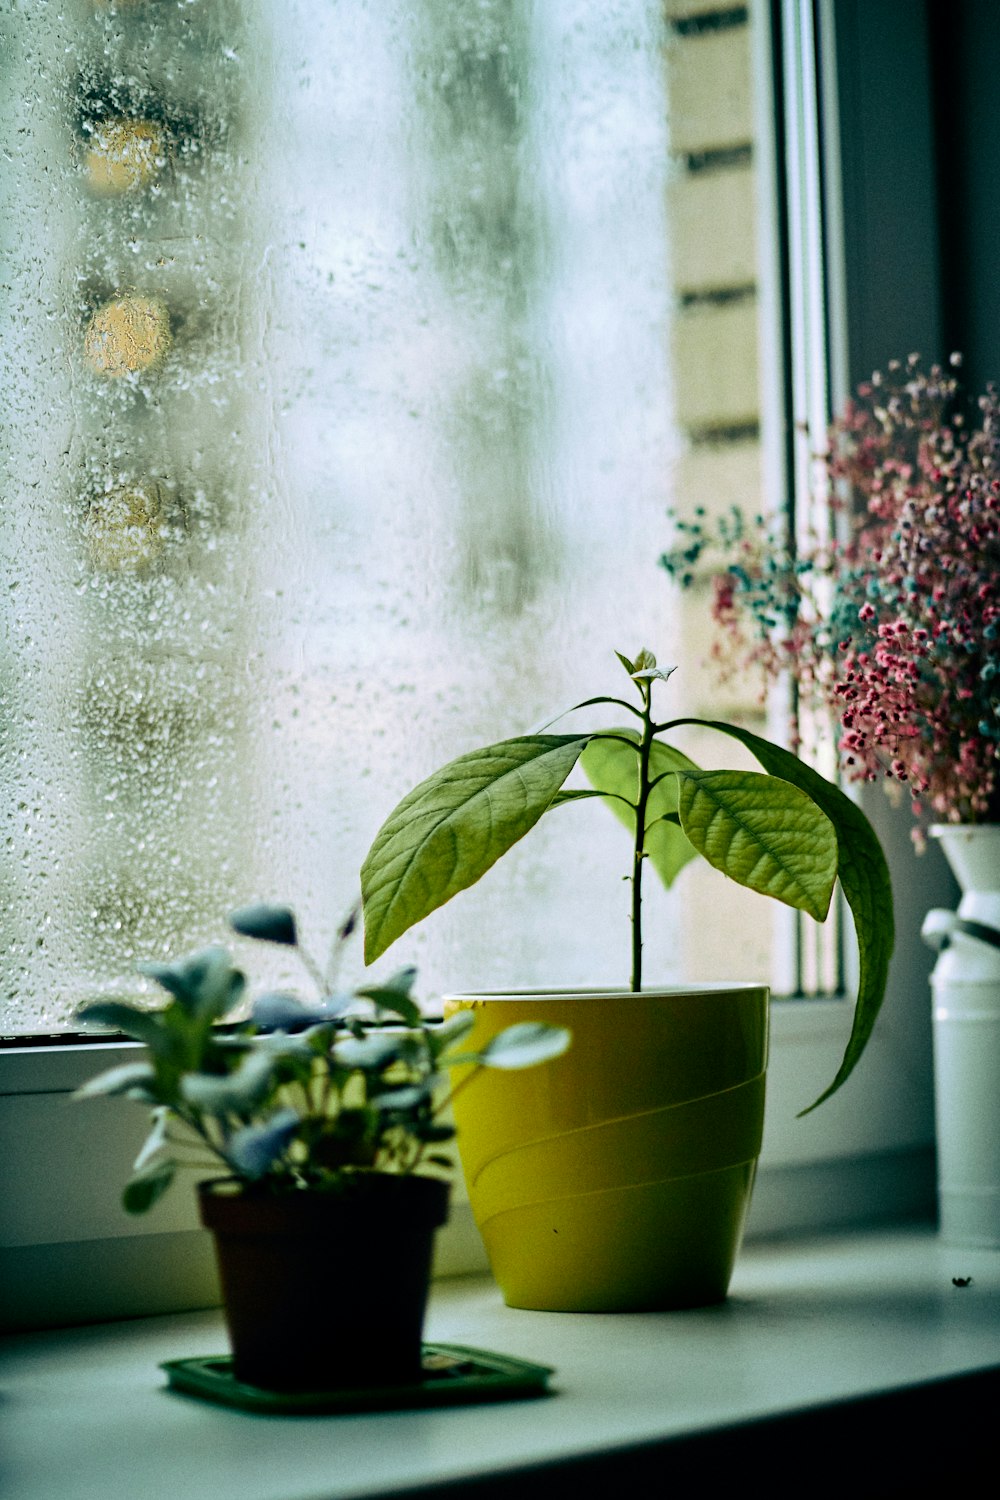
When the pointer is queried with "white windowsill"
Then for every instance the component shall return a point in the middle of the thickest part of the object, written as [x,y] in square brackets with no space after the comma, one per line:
[809,1324]
[69,1254]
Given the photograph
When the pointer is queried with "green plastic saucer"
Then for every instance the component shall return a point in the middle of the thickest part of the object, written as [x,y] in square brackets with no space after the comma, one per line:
[453,1375]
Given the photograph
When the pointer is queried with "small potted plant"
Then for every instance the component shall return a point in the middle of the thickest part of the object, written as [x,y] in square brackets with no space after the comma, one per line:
[326,1119]
[624,1181]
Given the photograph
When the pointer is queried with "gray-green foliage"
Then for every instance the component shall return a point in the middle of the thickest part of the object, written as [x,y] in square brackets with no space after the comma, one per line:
[786,833]
[303,1095]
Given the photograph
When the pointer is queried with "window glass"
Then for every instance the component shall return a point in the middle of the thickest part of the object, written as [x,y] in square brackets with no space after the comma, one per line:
[352,356]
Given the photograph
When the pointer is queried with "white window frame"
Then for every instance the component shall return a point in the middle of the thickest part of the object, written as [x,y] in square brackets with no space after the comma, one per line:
[67,1251]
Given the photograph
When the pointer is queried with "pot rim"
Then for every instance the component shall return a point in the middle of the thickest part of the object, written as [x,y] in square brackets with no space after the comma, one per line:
[652,992]
[414,1197]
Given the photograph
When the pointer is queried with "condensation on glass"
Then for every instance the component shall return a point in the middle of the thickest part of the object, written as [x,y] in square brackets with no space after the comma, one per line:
[339,428]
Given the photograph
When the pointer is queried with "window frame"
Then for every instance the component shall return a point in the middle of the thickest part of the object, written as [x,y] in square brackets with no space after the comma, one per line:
[867,1154]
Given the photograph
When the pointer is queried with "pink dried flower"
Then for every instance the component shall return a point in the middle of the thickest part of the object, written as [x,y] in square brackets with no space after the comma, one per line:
[895,626]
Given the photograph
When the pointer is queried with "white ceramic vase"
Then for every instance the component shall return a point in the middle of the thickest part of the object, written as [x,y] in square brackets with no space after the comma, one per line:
[965,987]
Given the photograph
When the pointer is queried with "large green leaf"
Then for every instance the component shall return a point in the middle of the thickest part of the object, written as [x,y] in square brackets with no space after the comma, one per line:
[864,878]
[612,768]
[764,833]
[867,886]
[450,829]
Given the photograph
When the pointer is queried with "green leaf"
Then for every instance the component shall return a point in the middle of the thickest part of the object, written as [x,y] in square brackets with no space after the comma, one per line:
[155,1140]
[442,1038]
[394,995]
[236,1093]
[369,1054]
[141,1025]
[121,1080]
[524,1045]
[254,1149]
[613,768]
[405,1098]
[764,833]
[278,1011]
[205,984]
[576,794]
[284,1047]
[454,826]
[588,703]
[147,1186]
[864,878]
[271,924]
[649,674]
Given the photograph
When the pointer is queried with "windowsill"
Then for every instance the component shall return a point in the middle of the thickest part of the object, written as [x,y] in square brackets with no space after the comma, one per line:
[811,1324]
[68,1253]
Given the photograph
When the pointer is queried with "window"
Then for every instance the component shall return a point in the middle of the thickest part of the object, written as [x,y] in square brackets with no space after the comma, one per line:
[349,382]
[361,355]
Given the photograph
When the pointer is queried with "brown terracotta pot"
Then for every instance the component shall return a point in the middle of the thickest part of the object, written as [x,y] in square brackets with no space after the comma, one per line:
[325,1291]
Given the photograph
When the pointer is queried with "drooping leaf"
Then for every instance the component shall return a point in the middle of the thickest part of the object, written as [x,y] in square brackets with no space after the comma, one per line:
[454,826]
[254,1148]
[524,1045]
[613,768]
[135,1079]
[270,924]
[864,878]
[764,833]
[147,1186]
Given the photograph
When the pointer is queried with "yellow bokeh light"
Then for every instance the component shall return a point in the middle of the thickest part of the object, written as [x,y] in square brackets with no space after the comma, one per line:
[122,156]
[124,528]
[127,334]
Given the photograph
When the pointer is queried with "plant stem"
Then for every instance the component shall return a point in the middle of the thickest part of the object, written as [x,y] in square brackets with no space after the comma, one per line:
[313,969]
[645,747]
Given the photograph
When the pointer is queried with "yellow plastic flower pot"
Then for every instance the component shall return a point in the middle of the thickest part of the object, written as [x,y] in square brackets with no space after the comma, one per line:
[617,1177]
